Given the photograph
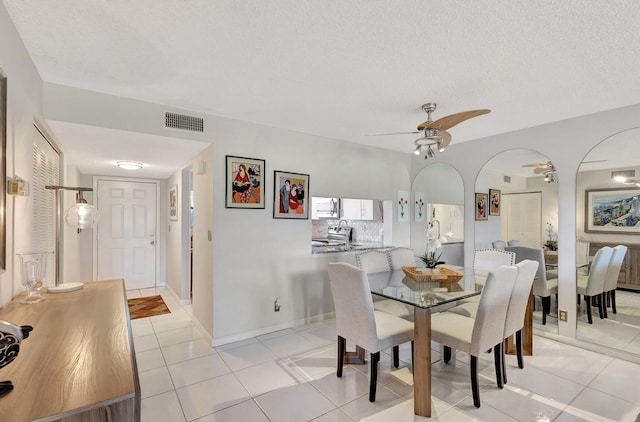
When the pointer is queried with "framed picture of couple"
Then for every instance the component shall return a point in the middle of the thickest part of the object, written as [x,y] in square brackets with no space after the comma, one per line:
[291,195]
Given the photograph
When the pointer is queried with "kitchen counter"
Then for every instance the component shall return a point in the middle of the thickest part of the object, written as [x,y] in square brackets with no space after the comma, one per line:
[320,248]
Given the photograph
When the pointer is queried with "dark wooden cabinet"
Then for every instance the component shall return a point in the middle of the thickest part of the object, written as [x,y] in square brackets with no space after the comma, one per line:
[629,277]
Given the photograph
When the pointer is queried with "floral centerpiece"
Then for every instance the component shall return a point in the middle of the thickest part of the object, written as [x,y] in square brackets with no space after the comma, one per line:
[431,257]
[552,243]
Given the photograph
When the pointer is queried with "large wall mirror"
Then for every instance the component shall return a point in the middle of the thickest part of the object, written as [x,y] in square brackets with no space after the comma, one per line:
[437,194]
[517,210]
[608,214]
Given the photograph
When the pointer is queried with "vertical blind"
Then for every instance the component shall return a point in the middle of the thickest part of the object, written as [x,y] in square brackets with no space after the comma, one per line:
[45,172]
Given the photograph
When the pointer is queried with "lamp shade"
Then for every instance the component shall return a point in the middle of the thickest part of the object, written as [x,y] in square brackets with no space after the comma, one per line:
[82,216]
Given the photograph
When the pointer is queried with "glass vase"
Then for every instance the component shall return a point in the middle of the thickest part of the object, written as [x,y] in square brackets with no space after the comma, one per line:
[33,267]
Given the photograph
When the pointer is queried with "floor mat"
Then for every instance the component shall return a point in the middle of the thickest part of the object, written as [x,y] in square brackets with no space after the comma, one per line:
[142,307]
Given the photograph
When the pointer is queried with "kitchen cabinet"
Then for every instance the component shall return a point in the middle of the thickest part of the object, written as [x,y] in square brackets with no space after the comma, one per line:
[324,208]
[357,209]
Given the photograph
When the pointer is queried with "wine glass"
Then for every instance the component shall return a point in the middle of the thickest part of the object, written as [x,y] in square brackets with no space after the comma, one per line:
[33,266]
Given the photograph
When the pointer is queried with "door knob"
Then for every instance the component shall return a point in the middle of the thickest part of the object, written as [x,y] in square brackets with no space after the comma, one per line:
[153,242]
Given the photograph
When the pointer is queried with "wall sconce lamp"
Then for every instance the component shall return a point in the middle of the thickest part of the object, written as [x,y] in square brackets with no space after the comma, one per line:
[81,215]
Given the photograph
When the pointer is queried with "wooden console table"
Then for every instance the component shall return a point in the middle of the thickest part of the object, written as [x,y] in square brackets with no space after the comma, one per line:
[78,363]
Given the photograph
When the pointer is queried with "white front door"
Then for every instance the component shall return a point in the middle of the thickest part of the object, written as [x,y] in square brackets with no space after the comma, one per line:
[126,232]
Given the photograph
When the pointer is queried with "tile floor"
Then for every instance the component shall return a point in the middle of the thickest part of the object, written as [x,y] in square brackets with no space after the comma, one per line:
[289,375]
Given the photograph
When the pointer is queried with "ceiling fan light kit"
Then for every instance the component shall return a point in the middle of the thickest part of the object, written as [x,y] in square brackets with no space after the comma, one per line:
[626,180]
[435,135]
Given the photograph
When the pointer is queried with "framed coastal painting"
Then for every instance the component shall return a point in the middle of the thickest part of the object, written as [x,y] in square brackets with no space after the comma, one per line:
[482,203]
[245,182]
[494,202]
[615,210]
[173,203]
[291,195]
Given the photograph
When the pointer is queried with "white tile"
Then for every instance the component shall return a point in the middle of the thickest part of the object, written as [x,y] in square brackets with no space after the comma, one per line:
[144,343]
[246,356]
[142,330]
[467,412]
[155,381]
[519,403]
[361,408]
[162,326]
[544,384]
[620,379]
[333,416]
[180,335]
[316,364]
[604,406]
[149,359]
[247,411]
[187,350]
[288,344]
[275,334]
[320,335]
[268,376]
[199,369]
[209,396]
[163,407]
[236,344]
[340,391]
[299,402]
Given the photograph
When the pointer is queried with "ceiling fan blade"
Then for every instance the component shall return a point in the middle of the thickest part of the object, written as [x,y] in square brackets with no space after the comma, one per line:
[391,133]
[593,161]
[447,122]
[446,138]
[532,165]
[539,170]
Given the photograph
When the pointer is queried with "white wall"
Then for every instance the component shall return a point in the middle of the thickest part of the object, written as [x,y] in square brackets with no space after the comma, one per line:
[24,99]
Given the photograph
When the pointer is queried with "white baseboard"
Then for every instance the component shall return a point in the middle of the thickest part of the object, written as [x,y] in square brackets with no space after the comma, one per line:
[270,329]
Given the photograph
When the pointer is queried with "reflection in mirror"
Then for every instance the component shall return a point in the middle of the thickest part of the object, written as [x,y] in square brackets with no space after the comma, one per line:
[344,224]
[607,215]
[522,217]
[438,197]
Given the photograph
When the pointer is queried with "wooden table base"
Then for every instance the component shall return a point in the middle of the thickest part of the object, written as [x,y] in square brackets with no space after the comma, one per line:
[527,333]
[355,358]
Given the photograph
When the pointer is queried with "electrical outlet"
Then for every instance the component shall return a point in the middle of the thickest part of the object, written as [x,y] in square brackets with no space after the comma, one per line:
[563,316]
[276,305]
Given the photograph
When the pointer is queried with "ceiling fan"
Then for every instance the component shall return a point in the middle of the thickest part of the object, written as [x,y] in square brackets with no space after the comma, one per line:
[435,133]
[542,168]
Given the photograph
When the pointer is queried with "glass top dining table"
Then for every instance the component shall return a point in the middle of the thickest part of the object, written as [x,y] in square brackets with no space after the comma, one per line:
[423,296]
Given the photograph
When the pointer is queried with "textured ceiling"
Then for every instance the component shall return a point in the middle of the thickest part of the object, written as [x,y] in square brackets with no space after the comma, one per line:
[342,69]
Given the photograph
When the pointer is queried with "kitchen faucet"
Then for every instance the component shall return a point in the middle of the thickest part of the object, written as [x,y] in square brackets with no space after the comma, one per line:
[431,225]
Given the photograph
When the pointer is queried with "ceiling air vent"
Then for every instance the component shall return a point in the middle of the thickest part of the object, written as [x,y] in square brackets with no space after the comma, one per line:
[507,179]
[184,122]
[629,174]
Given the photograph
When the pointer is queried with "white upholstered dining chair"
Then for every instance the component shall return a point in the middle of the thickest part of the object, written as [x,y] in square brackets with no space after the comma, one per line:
[380,261]
[592,285]
[401,257]
[611,278]
[359,322]
[544,287]
[485,331]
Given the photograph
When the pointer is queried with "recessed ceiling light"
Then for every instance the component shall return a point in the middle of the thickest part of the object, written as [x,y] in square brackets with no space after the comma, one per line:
[129,165]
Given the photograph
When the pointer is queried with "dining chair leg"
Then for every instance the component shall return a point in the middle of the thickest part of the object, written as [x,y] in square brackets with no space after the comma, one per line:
[474,381]
[447,354]
[375,358]
[613,301]
[497,359]
[603,304]
[600,306]
[546,308]
[342,345]
[519,348]
[396,356]
[587,300]
[503,365]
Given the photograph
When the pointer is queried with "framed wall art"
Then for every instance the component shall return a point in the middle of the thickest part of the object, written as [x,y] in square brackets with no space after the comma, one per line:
[403,206]
[615,210]
[245,182]
[482,203]
[291,195]
[494,202]
[420,207]
[173,203]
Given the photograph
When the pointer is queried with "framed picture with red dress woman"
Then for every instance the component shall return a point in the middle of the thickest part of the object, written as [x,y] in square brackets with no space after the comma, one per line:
[245,182]
[494,202]
[291,195]
[482,206]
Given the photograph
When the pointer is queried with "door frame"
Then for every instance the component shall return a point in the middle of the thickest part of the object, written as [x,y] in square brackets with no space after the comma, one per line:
[160,239]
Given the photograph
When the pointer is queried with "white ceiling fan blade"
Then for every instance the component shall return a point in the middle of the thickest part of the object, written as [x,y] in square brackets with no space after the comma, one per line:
[391,133]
